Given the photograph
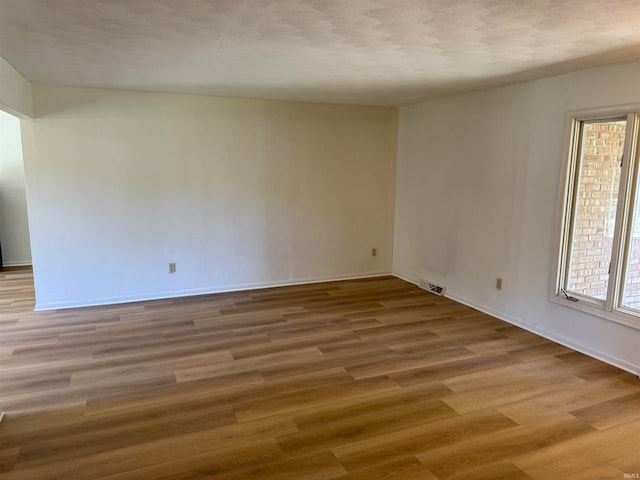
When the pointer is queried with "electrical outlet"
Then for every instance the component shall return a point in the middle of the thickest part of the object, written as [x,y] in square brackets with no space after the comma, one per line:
[499,283]
[374,252]
[172,268]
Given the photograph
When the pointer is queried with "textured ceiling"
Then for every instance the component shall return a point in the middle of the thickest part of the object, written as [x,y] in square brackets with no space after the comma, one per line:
[384,52]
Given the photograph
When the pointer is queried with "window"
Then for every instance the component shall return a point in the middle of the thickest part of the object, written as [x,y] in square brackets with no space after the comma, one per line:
[598,242]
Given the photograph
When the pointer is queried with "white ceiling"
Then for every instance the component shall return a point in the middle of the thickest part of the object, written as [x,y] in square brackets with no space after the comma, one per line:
[372,52]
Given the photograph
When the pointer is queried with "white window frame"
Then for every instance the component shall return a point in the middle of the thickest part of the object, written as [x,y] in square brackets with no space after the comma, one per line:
[611,308]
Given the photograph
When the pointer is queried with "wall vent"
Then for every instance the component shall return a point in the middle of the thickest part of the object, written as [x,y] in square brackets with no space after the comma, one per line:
[431,286]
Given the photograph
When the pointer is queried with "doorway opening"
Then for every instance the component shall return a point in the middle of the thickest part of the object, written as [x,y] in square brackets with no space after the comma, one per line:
[15,246]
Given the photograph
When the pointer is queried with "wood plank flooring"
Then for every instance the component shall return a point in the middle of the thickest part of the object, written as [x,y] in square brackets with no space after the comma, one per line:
[365,379]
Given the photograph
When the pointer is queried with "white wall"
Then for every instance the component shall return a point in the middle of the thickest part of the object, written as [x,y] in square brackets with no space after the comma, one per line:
[239,193]
[14,224]
[477,188]
[15,91]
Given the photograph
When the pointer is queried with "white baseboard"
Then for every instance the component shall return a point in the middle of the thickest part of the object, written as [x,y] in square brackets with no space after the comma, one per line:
[42,306]
[10,263]
[599,355]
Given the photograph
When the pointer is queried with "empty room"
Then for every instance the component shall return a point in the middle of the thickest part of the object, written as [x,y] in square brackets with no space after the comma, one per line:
[319,239]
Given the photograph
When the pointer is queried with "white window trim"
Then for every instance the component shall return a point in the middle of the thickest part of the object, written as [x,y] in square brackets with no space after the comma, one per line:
[608,309]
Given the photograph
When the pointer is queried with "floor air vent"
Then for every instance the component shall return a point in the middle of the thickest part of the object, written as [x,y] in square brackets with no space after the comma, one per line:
[432,287]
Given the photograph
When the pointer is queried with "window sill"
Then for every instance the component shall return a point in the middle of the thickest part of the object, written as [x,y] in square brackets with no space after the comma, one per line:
[618,317]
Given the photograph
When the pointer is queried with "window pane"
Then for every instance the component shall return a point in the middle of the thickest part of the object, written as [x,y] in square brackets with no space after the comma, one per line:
[631,289]
[595,205]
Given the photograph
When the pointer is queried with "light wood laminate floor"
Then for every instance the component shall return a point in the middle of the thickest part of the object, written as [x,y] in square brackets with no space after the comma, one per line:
[366,379]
